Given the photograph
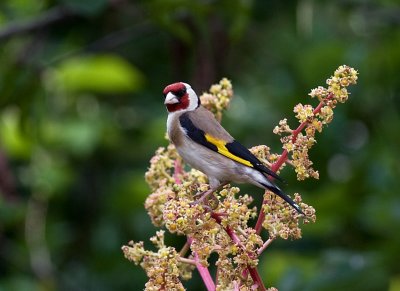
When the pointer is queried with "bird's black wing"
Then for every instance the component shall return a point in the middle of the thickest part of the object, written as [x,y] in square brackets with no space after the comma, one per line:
[230,149]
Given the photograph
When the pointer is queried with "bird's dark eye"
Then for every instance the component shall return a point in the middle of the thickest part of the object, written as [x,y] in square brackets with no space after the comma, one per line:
[180,92]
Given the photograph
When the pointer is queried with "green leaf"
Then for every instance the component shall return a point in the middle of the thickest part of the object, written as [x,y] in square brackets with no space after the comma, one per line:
[74,136]
[16,143]
[48,174]
[98,73]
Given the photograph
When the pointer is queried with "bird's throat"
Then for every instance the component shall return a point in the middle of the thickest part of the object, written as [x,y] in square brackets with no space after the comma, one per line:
[181,105]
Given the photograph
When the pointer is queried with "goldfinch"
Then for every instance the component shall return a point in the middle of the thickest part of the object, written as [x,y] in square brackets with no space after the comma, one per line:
[205,145]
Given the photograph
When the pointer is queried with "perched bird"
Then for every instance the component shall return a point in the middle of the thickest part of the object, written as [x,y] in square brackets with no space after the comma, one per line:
[205,145]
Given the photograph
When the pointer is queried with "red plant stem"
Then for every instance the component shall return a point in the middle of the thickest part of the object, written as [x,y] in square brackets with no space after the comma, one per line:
[256,278]
[177,171]
[265,245]
[203,271]
[252,271]
[282,159]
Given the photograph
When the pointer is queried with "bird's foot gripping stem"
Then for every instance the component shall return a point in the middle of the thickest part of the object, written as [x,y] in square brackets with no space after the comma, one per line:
[202,197]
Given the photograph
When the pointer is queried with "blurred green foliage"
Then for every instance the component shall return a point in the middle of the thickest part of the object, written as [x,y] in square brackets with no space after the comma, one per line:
[82,113]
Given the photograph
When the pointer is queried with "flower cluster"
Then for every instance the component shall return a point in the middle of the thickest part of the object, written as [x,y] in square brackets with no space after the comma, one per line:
[219,98]
[281,220]
[161,171]
[262,152]
[160,178]
[313,119]
[162,267]
[183,218]
[300,159]
[219,226]
[236,209]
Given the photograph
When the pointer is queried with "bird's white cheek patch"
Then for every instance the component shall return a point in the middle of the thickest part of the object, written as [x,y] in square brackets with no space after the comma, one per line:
[193,100]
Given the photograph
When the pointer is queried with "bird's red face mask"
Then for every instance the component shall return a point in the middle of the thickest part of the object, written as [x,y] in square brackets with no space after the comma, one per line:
[176,97]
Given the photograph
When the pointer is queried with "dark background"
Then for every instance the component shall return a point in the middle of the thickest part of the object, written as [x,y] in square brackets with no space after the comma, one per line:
[81,114]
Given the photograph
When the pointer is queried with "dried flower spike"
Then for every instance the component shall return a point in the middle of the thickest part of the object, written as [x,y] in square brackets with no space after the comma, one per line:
[220,226]
[313,119]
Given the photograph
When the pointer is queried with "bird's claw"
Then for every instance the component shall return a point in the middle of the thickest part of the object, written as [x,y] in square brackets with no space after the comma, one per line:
[198,196]
[202,198]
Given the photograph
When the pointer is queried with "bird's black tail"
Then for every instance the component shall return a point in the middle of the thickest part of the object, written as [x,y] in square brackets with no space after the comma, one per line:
[279,192]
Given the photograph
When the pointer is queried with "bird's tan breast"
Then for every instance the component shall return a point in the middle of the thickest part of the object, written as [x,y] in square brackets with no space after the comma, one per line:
[174,131]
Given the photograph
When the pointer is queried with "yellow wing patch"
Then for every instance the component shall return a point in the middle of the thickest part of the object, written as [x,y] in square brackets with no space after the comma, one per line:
[220,144]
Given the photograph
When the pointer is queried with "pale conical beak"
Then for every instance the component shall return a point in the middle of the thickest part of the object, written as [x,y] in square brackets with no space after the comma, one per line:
[171,99]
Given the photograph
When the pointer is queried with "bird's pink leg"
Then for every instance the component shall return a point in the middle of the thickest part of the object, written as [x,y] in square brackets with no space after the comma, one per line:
[204,195]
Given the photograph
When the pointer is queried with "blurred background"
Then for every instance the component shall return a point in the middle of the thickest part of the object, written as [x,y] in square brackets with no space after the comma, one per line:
[81,114]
